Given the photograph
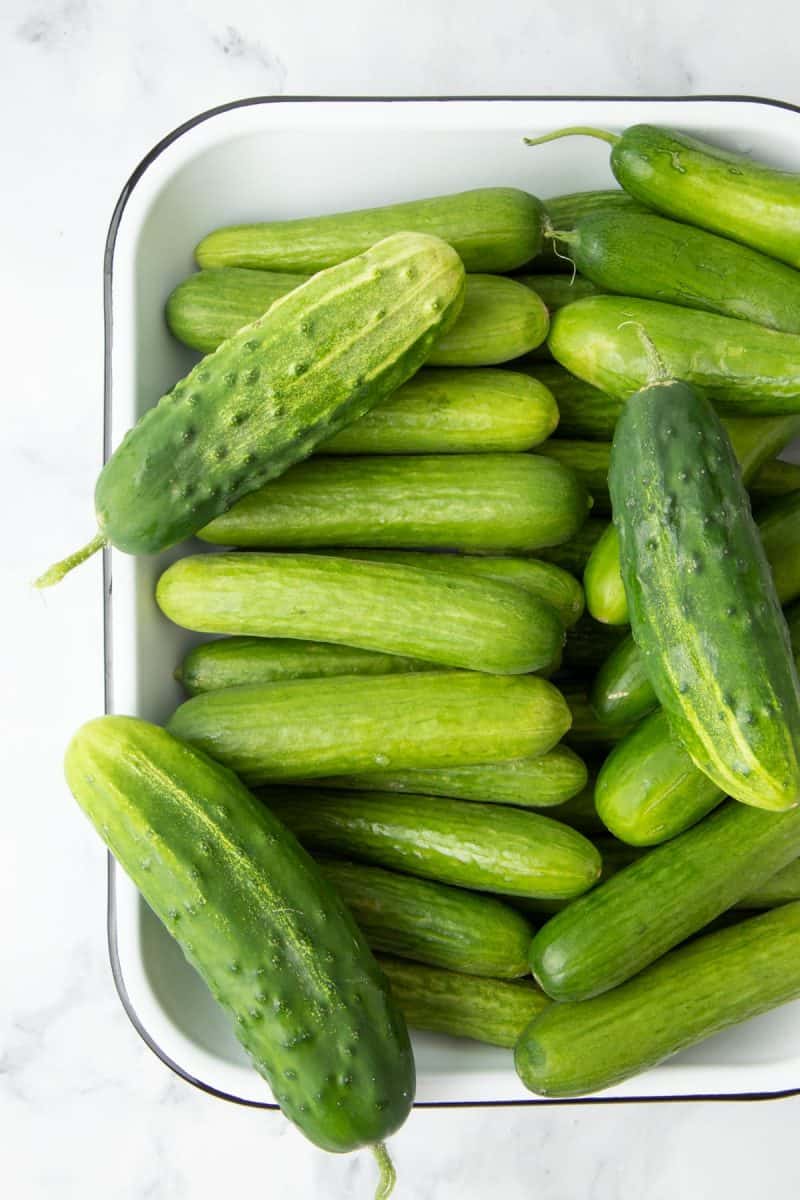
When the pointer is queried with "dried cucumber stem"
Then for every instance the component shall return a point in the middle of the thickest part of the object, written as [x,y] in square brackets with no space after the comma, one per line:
[571,131]
[58,570]
[388,1176]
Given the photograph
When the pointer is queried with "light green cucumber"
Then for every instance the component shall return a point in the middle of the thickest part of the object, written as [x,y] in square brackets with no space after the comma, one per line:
[606,600]
[562,211]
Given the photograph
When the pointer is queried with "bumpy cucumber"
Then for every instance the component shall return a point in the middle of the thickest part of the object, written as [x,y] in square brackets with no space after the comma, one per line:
[514,502]
[589,645]
[643,254]
[603,587]
[322,357]
[494,1011]
[745,369]
[312,727]
[252,914]
[432,922]
[235,661]
[492,229]
[563,211]
[558,290]
[717,981]
[484,847]
[703,605]
[573,554]
[539,782]
[664,897]
[480,624]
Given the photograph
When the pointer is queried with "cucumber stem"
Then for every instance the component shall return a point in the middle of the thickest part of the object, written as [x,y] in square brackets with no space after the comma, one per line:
[388,1175]
[570,236]
[58,570]
[570,131]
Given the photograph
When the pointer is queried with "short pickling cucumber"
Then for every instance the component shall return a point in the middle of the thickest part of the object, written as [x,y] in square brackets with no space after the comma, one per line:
[494,1011]
[251,912]
[745,369]
[321,357]
[558,290]
[703,605]
[514,502]
[573,554]
[704,185]
[484,847]
[432,922]
[718,980]
[603,587]
[643,254]
[235,661]
[492,229]
[664,897]
[312,727]
[480,624]
[589,644]
[563,211]
[539,782]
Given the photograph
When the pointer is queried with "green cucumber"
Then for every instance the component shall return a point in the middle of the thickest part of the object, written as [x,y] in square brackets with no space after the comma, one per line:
[782,888]
[311,727]
[515,502]
[643,254]
[269,937]
[745,369]
[483,847]
[606,600]
[704,609]
[322,357]
[558,290]
[562,211]
[539,782]
[210,306]
[432,922]
[580,812]
[705,185]
[589,644]
[621,692]
[664,897]
[717,981]
[586,733]
[584,411]
[236,661]
[573,554]
[614,854]
[775,478]
[480,624]
[494,1011]
[589,461]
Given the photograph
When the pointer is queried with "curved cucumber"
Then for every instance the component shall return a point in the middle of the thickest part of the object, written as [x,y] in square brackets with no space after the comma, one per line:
[476,623]
[515,502]
[573,554]
[494,1011]
[745,369]
[313,727]
[487,848]
[524,782]
[557,290]
[252,914]
[717,981]
[606,600]
[431,922]
[500,320]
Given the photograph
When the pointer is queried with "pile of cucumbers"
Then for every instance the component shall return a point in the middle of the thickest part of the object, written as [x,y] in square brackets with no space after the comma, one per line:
[497,731]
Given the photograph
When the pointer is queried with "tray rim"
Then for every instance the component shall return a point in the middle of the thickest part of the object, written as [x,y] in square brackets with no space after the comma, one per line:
[108,273]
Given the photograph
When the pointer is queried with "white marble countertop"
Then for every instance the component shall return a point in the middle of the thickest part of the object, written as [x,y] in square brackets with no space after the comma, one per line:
[87,86]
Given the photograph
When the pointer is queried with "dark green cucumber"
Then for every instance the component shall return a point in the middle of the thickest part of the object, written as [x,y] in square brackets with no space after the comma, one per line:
[480,624]
[268,935]
[782,888]
[492,229]
[312,727]
[573,554]
[603,587]
[717,981]
[589,644]
[539,782]
[586,733]
[664,897]
[643,254]
[558,290]
[236,661]
[432,922]
[563,211]
[494,1011]
[703,605]
[484,847]
[321,357]
[745,369]
[515,502]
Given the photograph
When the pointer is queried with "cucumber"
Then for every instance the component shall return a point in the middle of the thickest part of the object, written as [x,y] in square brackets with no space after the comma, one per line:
[586,733]
[312,727]
[468,622]
[539,782]
[621,692]
[557,290]
[562,211]
[614,854]
[718,981]
[432,922]
[573,554]
[589,644]
[781,888]
[603,587]
[775,478]
[272,392]
[589,461]
[704,609]
[249,909]
[580,812]
[492,229]
[664,897]
[234,661]
[483,847]
[494,1011]
[745,369]
[515,502]
[643,254]
[499,321]
[704,185]
[584,411]
[210,306]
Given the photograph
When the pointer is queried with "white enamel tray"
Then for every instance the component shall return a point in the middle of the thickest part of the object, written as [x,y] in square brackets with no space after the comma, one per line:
[268,158]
